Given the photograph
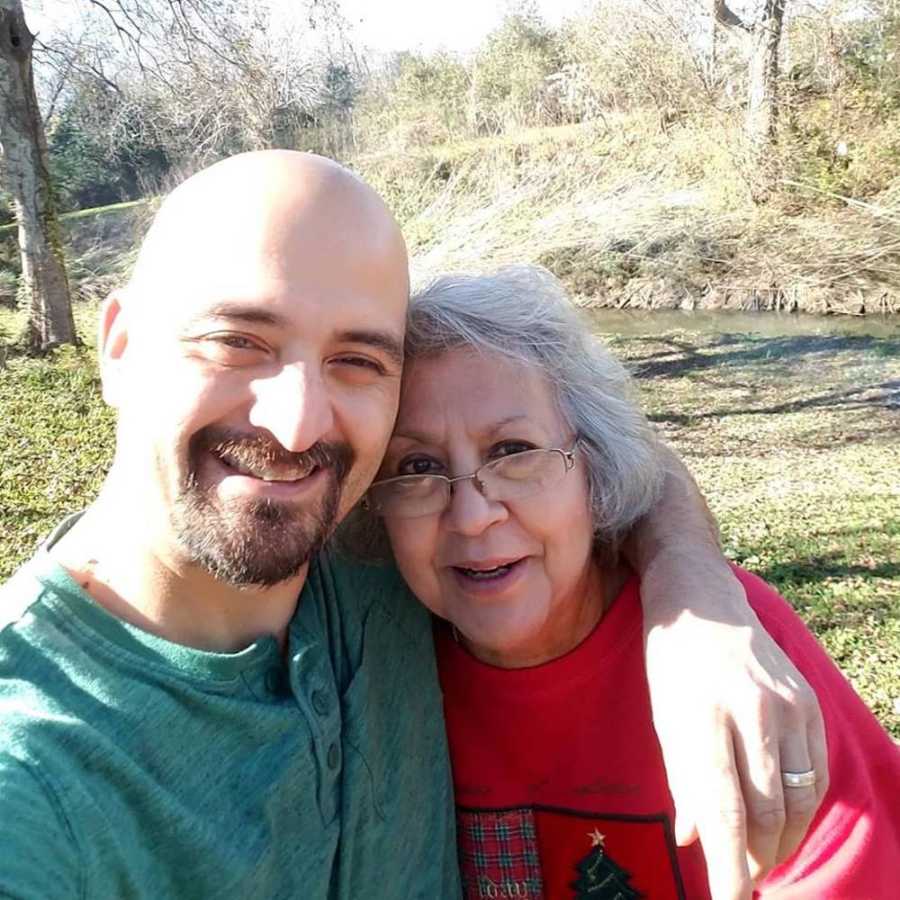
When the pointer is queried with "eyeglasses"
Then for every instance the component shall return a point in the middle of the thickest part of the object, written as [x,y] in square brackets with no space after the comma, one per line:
[507,478]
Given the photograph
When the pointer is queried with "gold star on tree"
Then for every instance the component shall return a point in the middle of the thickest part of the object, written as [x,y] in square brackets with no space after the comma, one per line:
[597,839]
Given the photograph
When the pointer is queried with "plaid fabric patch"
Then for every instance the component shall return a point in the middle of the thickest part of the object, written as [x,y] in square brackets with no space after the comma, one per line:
[498,854]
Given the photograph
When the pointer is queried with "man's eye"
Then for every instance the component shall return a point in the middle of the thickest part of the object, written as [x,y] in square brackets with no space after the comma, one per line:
[228,348]
[363,363]
[235,341]
[419,465]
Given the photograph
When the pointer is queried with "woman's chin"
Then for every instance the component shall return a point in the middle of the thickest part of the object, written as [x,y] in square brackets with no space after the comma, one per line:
[511,640]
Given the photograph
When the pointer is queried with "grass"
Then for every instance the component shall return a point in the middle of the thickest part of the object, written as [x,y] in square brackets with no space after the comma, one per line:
[627,213]
[630,215]
[795,441]
[56,438]
[100,246]
[77,214]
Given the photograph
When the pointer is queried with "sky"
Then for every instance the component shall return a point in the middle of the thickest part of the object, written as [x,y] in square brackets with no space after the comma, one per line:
[380,25]
[452,24]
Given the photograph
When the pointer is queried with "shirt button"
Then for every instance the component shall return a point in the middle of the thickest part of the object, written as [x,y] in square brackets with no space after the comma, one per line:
[320,702]
[334,756]
[275,681]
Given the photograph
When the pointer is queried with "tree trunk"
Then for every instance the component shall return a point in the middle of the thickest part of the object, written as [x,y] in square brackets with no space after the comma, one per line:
[762,111]
[712,48]
[27,179]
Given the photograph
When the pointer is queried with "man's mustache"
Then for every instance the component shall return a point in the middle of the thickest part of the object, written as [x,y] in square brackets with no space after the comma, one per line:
[257,450]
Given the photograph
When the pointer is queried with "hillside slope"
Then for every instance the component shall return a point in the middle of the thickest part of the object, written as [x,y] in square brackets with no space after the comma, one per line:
[629,214]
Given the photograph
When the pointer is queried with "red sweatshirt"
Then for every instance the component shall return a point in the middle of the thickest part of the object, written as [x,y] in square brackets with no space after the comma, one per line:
[561,790]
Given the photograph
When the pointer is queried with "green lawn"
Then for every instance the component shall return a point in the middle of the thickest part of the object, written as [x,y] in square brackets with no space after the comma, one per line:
[796,443]
[795,440]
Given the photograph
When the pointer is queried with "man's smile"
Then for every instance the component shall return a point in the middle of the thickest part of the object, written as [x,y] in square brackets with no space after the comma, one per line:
[265,467]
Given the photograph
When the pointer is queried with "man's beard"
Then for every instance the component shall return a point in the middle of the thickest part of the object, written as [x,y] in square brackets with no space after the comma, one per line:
[256,541]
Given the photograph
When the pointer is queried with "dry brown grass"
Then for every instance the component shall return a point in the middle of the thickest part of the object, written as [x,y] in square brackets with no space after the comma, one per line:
[630,214]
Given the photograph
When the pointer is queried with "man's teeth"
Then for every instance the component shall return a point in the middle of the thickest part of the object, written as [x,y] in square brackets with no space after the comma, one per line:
[485,574]
[267,472]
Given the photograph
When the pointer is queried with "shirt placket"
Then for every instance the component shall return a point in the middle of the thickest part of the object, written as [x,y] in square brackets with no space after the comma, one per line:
[314,690]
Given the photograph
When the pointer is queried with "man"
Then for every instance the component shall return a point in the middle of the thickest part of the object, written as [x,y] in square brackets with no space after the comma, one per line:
[173,722]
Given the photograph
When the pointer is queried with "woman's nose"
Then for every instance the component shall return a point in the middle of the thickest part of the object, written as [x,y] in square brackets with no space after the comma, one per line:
[470,510]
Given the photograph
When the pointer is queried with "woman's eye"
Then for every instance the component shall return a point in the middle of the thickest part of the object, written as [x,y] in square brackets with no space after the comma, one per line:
[419,465]
[508,448]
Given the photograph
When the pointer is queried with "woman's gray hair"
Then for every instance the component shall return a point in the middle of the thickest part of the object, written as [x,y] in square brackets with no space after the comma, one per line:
[523,313]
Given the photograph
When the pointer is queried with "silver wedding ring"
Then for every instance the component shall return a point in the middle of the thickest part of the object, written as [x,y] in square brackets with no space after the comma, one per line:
[799,779]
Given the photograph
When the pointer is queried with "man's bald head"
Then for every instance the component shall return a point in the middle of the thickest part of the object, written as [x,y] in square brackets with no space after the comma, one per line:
[287,207]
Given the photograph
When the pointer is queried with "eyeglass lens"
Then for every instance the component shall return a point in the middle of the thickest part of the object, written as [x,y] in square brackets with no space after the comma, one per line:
[508,478]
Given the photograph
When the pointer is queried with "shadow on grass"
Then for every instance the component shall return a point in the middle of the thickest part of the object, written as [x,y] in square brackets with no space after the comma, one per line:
[885,395]
[681,358]
[819,568]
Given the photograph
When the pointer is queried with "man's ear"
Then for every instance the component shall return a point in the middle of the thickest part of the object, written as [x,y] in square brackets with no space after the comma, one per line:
[112,341]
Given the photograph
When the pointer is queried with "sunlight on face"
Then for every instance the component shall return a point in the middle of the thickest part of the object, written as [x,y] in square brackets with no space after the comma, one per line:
[257,371]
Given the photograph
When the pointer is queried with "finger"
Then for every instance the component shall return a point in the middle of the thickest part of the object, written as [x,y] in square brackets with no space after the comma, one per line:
[679,787]
[800,803]
[721,822]
[680,763]
[760,774]
[818,751]
[685,828]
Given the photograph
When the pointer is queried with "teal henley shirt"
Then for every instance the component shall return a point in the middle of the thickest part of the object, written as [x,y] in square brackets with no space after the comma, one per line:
[132,767]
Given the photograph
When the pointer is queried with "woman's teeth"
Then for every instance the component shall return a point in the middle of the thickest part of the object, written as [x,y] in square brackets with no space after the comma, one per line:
[485,574]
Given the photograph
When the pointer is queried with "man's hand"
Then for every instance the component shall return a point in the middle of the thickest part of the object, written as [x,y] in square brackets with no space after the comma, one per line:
[731,713]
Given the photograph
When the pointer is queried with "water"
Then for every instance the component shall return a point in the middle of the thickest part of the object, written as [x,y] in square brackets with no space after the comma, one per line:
[636,323]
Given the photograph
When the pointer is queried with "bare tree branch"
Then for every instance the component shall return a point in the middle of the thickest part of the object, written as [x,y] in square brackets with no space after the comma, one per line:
[724,16]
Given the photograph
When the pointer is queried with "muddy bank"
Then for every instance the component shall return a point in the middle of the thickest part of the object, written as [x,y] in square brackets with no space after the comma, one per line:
[697,323]
[654,294]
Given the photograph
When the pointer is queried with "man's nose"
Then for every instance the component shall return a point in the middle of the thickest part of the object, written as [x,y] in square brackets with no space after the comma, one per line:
[294,405]
[470,512]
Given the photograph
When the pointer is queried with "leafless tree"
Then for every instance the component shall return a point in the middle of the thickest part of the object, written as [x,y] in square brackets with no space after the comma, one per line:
[764,36]
[201,77]
[27,178]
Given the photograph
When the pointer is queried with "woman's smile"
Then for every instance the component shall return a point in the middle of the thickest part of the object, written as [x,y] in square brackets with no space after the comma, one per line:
[489,579]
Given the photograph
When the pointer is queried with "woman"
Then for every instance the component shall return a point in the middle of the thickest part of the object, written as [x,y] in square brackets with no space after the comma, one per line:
[517,465]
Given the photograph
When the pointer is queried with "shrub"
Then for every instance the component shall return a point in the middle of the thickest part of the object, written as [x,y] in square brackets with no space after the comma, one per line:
[510,86]
[414,100]
[9,288]
[633,56]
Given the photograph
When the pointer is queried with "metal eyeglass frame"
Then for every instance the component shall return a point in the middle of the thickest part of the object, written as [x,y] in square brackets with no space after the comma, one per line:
[567,455]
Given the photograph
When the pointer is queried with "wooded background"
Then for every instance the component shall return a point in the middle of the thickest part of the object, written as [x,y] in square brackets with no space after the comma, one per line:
[132,95]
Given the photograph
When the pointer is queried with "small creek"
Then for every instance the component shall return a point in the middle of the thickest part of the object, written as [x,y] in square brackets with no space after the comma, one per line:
[636,323]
